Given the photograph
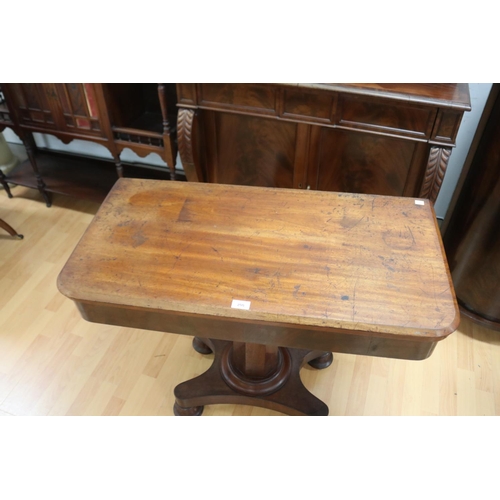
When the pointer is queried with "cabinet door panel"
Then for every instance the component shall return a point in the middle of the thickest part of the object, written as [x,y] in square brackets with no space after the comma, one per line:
[247,150]
[79,107]
[363,163]
[32,104]
[61,107]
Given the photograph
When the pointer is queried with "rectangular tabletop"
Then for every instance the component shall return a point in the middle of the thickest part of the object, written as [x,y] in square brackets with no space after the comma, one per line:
[319,270]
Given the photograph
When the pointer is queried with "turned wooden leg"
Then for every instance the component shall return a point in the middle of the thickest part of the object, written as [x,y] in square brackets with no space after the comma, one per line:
[10,230]
[168,142]
[3,181]
[172,172]
[29,144]
[251,374]
[119,167]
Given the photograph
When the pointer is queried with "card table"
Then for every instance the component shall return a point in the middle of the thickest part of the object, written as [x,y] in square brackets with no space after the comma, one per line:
[266,279]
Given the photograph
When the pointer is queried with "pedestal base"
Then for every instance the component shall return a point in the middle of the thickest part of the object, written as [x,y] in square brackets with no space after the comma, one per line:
[222,383]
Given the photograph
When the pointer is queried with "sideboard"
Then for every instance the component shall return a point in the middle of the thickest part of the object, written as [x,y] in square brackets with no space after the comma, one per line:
[137,116]
[387,139]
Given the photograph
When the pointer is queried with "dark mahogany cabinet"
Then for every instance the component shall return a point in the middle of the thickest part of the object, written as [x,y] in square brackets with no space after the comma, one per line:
[388,139]
[140,117]
[472,235]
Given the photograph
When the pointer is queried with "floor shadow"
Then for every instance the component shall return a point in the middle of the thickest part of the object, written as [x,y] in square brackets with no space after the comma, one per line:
[478,332]
[58,200]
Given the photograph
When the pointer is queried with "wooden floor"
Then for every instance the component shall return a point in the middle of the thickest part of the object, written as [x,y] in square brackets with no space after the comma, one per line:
[52,362]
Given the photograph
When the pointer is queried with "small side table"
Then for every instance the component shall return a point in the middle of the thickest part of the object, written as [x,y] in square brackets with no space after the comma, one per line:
[267,279]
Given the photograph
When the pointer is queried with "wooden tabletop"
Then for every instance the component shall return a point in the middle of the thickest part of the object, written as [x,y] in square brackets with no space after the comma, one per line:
[316,261]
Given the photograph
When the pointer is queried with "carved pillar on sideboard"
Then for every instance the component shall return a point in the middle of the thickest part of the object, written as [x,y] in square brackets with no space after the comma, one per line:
[434,173]
[185,141]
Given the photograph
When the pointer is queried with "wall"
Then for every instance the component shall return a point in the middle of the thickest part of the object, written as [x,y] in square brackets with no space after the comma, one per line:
[478,92]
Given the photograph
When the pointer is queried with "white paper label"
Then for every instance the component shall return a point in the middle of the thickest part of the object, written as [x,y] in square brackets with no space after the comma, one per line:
[419,202]
[240,304]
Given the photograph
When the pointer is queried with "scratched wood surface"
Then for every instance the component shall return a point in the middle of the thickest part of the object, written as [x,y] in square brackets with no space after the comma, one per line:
[53,362]
[324,261]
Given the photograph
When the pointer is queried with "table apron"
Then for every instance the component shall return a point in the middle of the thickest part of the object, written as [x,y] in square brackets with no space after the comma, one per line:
[361,343]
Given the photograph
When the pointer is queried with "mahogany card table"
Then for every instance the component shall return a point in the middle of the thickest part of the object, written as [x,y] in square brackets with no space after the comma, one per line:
[267,279]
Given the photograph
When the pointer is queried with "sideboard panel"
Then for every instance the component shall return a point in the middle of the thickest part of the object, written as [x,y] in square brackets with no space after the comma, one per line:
[388,118]
[79,109]
[248,150]
[255,97]
[363,163]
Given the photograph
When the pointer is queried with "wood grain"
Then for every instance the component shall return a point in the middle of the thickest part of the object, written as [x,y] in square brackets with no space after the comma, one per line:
[364,163]
[447,95]
[328,271]
[358,138]
[260,151]
[35,319]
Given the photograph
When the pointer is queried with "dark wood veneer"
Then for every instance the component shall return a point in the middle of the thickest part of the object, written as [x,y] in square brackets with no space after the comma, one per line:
[472,236]
[367,138]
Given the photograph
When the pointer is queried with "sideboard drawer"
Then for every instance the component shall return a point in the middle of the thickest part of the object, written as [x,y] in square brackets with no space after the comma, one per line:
[392,119]
[308,106]
[256,98]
